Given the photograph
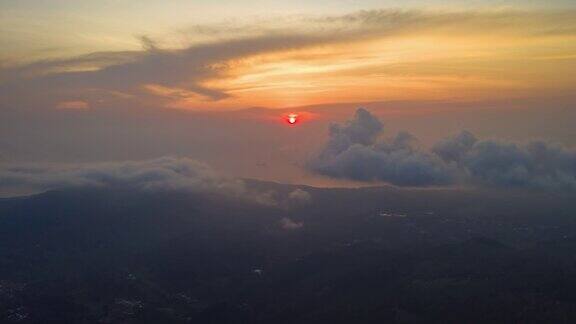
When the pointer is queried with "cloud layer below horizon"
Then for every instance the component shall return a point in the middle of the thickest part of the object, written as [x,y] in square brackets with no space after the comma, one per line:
[165,174]
[161,174]
[356,150]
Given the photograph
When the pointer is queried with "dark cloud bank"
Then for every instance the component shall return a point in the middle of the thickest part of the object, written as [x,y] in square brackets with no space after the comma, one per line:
[357,151]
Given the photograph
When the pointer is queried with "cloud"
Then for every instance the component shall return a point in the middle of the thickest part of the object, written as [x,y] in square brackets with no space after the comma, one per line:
[288,224]
[294,199]
[188,69]
[460,159]
[355,152]
[73,105]
[129,73]
[299,195]
[161,174]
[455,147]
[537,164]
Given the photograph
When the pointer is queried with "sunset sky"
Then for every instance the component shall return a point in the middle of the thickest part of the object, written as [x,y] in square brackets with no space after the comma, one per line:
[84,81]
[287,161]
[273,54]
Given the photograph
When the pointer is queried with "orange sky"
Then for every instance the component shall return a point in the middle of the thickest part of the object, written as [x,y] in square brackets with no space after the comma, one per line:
[456,61]
[452,55]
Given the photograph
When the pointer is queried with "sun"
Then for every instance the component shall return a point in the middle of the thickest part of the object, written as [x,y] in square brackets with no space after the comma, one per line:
[292,118]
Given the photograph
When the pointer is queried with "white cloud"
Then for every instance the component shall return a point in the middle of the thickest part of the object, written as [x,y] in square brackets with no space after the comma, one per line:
[299,197]
[288,224]
[161,174]
[355,152]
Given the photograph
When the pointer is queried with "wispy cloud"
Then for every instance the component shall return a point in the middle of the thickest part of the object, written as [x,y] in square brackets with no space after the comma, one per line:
[190,71]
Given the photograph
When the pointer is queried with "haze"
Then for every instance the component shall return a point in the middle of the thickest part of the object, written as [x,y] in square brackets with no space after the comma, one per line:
[132,80]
